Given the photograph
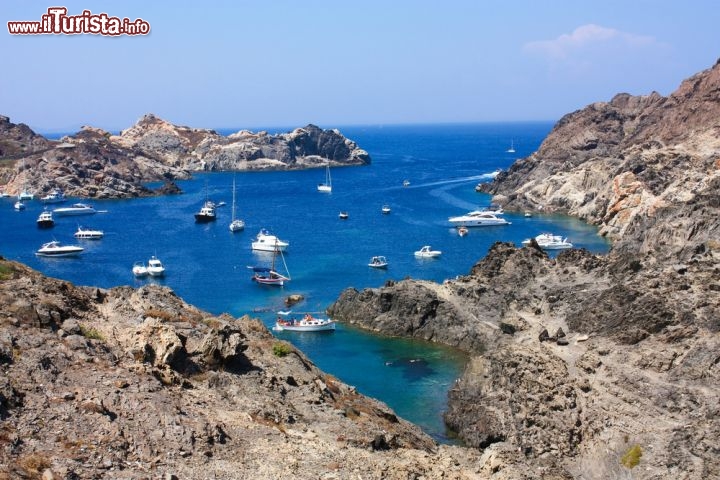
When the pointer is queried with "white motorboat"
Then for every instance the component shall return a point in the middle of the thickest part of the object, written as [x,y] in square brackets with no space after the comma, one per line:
[378,262]
[55,196]
[88,234]
[139,270]
[45,220]
[25,195]
[385,209]
[266,242]
[427,252]
[206,213]
[55,249]
[548,241]
[155,267]
[307,324]
[462,231]
[236,224]
[75,209]
[406,183]
[19,205]
[327,186]
[343,215]
[478,218]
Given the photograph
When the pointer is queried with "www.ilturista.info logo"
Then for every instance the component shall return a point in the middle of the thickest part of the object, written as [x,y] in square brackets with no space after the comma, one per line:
[57,21]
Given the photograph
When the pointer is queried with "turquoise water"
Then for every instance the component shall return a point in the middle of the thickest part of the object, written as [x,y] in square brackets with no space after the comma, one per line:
[207,264]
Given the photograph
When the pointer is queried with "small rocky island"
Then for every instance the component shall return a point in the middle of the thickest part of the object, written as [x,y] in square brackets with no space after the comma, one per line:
[95,164]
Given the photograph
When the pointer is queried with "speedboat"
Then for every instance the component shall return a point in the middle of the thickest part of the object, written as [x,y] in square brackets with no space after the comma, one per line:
[155,267]
[268,243]
[139,270]
[548,241]
[206,213]
[19,205]
[478,218]
[87,234]
[307,324]
[462,231]
[343,215]
[406,183]
[378,262]
[54,249]
[75,209]
[385,209]
[55,196]
[45,220]
[427,252]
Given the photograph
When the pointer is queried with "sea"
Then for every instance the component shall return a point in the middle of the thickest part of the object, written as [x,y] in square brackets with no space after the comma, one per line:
[207,264]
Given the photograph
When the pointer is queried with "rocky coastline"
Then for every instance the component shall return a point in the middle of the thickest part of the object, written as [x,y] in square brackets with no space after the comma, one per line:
[95,164]
[589,366]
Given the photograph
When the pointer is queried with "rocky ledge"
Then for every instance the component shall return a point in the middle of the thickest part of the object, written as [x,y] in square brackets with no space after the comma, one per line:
[135,383]
[95,164]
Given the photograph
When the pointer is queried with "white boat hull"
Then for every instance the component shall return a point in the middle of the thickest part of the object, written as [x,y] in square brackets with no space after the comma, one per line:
[315,325]
[467,221]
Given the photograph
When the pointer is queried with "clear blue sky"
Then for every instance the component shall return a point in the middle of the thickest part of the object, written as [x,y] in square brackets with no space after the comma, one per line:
[287,63]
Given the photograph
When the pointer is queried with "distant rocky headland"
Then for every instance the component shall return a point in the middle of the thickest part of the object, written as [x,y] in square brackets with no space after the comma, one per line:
[586,366]
[95,164]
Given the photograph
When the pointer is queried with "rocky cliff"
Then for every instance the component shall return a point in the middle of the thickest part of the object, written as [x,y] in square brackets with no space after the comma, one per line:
[591,367]
[645,169]
[127,383]
[95,164]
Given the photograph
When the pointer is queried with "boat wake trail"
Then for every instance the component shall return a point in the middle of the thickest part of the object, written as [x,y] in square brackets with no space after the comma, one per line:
[451,181]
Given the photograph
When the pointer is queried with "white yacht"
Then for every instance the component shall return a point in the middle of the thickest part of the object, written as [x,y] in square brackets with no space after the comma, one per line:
[478,218]
[427,252]
[75,209]
[54,249]
[45,220]
[269,243]
[548,241]
[55,196]
[88,234]
[155,267]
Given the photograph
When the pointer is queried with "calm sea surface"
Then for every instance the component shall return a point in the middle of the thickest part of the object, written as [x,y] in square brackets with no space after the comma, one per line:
[207,264]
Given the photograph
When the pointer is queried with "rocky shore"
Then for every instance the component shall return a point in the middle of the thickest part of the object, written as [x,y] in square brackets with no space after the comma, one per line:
[591,367]
[135,383]
[95,164]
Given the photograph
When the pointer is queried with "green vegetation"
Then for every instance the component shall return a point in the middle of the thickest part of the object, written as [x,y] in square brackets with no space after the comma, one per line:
[280,349]
[92,333]
[6,271]
[632,456]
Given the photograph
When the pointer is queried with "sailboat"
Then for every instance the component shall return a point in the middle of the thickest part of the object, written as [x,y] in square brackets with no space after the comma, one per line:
[236,224]
[270,276]
[25,195]
[327,186]
[512,147]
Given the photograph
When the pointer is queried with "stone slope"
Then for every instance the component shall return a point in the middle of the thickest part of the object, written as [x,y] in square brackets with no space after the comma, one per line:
[645,169]
[635,363]
[127,383]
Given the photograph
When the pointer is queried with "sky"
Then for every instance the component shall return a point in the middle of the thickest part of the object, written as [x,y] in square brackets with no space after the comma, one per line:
[270,63]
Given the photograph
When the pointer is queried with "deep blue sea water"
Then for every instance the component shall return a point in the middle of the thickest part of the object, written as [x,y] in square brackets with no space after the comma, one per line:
[207,264]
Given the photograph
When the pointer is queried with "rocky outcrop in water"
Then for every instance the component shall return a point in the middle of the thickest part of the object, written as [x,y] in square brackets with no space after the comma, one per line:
[198,149]
[588,366]
[95,164]
[127,383]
